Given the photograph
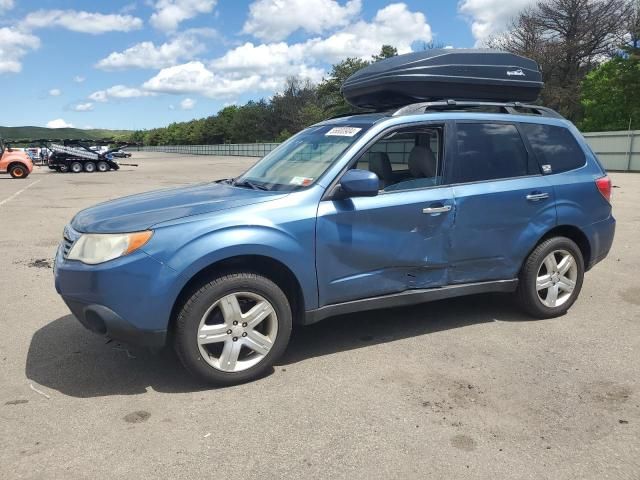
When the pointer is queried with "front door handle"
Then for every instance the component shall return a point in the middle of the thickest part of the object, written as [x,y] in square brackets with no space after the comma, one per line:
[537,196]
[442,209]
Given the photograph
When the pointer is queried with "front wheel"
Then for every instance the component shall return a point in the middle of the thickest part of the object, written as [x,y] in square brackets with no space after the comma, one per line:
[19,171]
[551,278]
[233,328]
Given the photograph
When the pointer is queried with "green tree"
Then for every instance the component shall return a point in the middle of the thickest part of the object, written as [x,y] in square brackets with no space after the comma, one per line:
[611,95]
[568,38]
[329,94]
[387,51]
[329,90]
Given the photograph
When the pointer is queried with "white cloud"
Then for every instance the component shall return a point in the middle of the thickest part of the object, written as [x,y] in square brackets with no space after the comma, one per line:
[194,77]
[273,62]
[79,79]
[80,21]
[13,46]
[170,13]
[6,5]
[265,67]
[187,104]
[147,55]
[393,25]
[58,123]
[55,92]
[118,92]
[83,107]
[491,17]
[274,20]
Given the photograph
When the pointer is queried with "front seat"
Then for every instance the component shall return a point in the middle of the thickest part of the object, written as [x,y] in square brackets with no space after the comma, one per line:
[422,162]
[380,165]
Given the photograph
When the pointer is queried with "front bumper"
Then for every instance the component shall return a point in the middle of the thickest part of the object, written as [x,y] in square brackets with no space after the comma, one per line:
[104,321]
[128,299]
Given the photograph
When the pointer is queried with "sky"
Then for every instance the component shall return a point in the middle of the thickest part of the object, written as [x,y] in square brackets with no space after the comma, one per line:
[124,64]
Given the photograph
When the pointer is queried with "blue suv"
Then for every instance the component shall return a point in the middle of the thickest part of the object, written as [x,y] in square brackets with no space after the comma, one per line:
[435,200]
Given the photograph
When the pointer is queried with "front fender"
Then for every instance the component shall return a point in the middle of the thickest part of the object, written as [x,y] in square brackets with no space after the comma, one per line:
[209,247]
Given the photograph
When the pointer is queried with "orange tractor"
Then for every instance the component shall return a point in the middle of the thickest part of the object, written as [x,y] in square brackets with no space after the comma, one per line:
[14,162]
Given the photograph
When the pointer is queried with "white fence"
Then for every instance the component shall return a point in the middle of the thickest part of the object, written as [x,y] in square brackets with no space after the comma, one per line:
[616,150]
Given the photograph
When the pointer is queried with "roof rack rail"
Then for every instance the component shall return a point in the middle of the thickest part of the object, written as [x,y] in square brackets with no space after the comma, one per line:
[512,108]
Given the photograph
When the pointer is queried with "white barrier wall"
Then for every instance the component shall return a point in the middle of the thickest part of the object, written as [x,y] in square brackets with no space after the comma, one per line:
[617,150]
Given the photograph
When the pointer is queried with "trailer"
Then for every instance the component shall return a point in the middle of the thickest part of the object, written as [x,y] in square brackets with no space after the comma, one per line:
[77,156]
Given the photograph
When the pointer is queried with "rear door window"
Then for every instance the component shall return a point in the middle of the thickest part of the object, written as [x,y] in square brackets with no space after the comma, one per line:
[488,151]
[555,147]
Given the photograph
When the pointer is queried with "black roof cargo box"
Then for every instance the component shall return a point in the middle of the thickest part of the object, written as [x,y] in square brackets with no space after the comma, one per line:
[442,74]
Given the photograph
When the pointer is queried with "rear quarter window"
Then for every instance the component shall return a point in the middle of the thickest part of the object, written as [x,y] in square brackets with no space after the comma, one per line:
[554,146]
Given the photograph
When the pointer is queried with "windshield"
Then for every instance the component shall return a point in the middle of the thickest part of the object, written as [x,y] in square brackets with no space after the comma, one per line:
[302,159]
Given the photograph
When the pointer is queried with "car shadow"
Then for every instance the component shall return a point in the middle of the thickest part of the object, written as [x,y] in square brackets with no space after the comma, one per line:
[362,329]
[63,356]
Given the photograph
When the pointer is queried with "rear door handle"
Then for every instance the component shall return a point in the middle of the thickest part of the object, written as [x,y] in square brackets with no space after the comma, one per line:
[535,197]
[442,209]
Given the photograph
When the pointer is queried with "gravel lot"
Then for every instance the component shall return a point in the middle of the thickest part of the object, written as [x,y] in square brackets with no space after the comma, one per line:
[465,388]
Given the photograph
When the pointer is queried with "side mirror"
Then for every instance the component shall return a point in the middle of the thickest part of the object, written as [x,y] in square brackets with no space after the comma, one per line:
[359,183]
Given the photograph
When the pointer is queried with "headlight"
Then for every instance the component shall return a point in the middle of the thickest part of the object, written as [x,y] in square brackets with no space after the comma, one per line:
[95,248]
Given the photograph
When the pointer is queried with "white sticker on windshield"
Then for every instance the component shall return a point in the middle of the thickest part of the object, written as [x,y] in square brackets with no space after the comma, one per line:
[342,132]
[304,181]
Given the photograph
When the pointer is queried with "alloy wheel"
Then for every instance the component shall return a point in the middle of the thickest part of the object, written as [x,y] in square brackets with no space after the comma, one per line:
[556,278]
[237,331]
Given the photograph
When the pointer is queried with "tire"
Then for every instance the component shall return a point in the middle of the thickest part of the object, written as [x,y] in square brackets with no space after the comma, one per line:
[18,171]
[548,287]
[63,168]
[103,166]
[76,167]
[254,349]
[89,167]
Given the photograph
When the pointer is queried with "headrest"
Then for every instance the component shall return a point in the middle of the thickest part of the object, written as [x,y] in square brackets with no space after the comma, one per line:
[422,162]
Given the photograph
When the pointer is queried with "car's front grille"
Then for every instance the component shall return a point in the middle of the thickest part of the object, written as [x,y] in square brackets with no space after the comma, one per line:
[69,237]
[67,243]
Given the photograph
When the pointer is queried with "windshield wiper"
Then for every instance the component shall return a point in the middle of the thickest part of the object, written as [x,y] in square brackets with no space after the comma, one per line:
[250,184]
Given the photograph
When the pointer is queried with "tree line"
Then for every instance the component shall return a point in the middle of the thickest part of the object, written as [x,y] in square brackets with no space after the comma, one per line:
[589,52]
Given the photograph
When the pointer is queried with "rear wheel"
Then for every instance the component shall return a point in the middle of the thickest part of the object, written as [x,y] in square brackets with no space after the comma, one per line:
[233,328]
[551,278]
[103,166]
[76,167]
[89,167]
[18,171]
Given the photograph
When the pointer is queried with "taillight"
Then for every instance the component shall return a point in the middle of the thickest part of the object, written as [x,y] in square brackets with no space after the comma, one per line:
[604,185]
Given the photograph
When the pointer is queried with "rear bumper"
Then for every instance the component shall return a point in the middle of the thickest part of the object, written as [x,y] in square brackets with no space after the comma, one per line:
[600,236]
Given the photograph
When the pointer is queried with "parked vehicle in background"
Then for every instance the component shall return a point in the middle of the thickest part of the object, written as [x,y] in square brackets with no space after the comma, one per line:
[14,162]
[121,154]
[77,156]
[431,200]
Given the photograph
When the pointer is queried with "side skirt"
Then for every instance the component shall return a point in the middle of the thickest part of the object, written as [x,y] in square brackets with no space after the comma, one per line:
[409,297]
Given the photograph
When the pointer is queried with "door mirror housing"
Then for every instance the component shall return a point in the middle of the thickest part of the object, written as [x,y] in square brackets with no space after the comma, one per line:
[359,183]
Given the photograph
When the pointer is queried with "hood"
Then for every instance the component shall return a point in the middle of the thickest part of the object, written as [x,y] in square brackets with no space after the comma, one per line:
[140,212]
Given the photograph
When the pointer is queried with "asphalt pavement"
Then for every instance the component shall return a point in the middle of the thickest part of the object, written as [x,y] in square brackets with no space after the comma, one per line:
[463,388]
